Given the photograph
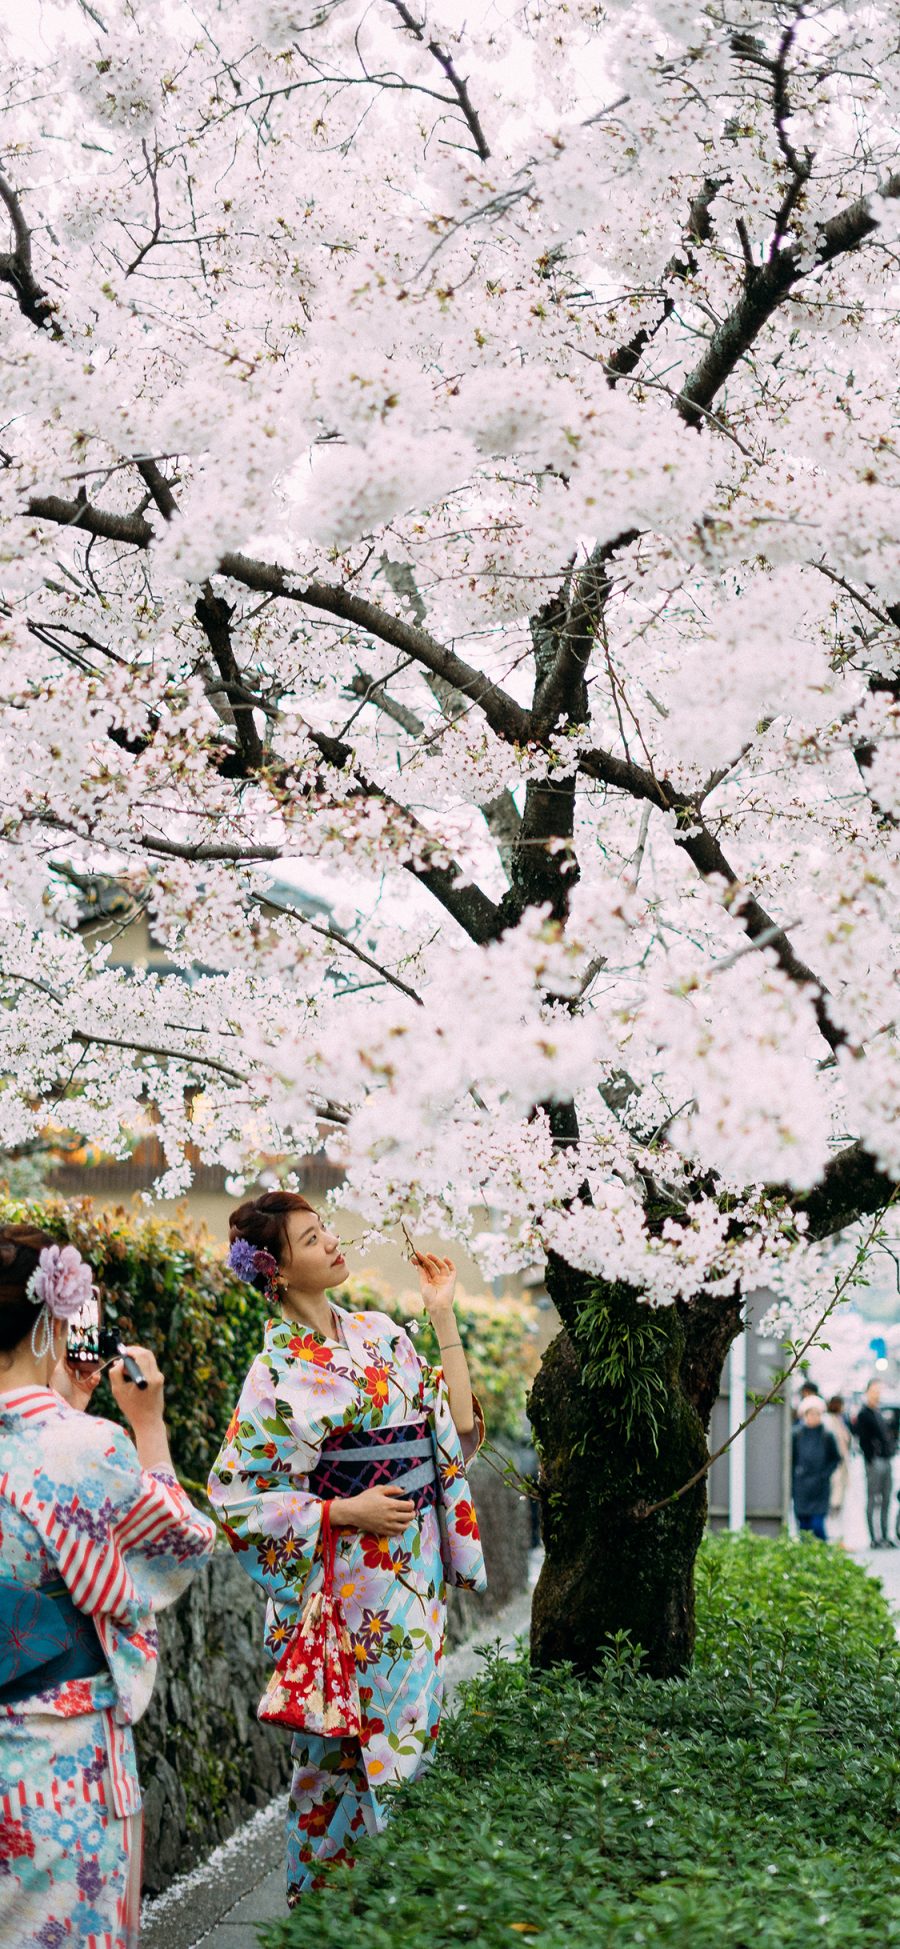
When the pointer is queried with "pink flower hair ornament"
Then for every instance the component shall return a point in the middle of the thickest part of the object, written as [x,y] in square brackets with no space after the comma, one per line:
[61,1285]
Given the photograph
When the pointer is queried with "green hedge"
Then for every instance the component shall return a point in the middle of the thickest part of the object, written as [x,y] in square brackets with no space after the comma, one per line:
[167,1287]
[752,1805]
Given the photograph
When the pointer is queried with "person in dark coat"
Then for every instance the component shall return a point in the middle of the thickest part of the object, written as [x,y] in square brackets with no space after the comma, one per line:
[815,1457]
[875,1440]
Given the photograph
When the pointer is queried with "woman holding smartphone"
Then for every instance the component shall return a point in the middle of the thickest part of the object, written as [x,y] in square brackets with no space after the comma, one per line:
[96,1535]
[339,1408]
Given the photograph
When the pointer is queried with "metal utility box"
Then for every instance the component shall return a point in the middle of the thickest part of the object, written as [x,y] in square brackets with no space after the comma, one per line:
[751,1483]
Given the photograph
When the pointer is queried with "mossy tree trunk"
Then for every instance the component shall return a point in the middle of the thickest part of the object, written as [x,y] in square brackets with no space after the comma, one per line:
[620,1410]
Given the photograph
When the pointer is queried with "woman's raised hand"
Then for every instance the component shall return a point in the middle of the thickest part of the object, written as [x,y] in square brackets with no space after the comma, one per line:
[437,1283]
[377,1512]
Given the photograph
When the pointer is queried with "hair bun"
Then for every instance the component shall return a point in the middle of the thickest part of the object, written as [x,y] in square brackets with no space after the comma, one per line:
[9,1252]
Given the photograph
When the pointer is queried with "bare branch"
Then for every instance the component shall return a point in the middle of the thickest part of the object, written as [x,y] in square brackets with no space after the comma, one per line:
[338,940]
[96,1038]
[694,838]
[153,173]
[459,86]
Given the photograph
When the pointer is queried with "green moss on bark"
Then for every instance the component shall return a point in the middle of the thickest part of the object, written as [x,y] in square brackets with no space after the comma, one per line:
[617,1430]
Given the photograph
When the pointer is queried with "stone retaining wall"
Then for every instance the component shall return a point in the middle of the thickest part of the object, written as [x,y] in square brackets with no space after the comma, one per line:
[206,1763]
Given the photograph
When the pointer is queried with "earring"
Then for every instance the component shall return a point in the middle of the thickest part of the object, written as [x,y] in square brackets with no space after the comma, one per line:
[42,1335]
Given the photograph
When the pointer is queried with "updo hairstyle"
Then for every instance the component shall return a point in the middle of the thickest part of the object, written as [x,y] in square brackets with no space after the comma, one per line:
[20,1249]
[263,1222]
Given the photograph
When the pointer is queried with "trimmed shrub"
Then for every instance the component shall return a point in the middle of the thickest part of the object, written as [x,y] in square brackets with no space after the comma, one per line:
[754,1804]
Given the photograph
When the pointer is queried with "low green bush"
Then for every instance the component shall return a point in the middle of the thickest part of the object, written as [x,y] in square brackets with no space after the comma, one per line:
[754,1804]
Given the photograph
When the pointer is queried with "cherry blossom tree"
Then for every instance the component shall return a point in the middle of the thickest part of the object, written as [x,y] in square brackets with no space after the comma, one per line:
[454,450]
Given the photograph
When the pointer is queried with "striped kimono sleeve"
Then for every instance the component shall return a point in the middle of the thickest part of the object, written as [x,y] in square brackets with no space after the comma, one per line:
[127,1551]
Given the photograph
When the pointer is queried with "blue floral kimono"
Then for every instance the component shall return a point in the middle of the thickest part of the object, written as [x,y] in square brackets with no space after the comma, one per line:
[80,1518]
[304,1399]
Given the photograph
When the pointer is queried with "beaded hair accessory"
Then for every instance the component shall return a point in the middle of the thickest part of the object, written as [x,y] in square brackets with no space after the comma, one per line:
[61,1285]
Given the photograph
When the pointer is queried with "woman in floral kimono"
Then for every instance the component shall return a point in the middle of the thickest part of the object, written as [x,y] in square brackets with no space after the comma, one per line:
[95,1536]
[339,1407]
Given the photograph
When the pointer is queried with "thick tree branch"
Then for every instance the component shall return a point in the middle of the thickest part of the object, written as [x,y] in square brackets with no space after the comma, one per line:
[214,615]
[505,716]
[16,268]
[474,912]
[543,867]
[765,288]
[560,693]
[500,814]
[621,363]
[852,1187]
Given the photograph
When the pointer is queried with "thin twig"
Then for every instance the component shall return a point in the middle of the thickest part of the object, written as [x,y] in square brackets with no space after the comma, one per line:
[641,1510]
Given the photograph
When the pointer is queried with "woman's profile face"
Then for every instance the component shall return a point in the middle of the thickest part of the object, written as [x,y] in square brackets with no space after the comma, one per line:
[313,1258]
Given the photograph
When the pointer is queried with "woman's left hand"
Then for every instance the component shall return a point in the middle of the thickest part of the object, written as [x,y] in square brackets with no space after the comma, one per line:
[437,1283]
[75,1388]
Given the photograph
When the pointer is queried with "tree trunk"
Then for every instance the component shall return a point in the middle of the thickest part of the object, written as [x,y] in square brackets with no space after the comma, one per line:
[620,1410]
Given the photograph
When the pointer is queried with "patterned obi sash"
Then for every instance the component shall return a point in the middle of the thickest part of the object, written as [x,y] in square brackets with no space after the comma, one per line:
[396,1458]
[44,1641]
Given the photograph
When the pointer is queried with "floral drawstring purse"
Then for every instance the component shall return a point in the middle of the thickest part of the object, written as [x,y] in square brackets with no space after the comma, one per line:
[314,1686]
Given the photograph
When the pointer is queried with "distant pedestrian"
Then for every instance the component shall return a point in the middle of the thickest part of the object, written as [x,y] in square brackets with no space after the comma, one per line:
[876,1441]
[815,1457]
[836,1422]
[807,1391]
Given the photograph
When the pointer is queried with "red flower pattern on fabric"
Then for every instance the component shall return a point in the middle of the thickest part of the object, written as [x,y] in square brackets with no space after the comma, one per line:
[370,1728]
[377,1552]
[307,1347]
[313,1687]
[466,1520]
[236,1542]
[378,1385]
[73,1698]
[16,1843]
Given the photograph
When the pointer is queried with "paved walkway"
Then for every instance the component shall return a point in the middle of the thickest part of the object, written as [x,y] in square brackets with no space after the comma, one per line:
[242,1884]
[850,1531]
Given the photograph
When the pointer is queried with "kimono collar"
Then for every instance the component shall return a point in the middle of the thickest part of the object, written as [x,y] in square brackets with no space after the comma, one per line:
[360,1330]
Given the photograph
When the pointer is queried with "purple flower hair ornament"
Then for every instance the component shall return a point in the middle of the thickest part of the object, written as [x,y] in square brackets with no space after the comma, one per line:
[252,1262]
[61,1285]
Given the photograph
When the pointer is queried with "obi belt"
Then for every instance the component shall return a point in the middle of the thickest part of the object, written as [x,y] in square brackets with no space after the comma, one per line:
[44,1641]
[383,1458]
